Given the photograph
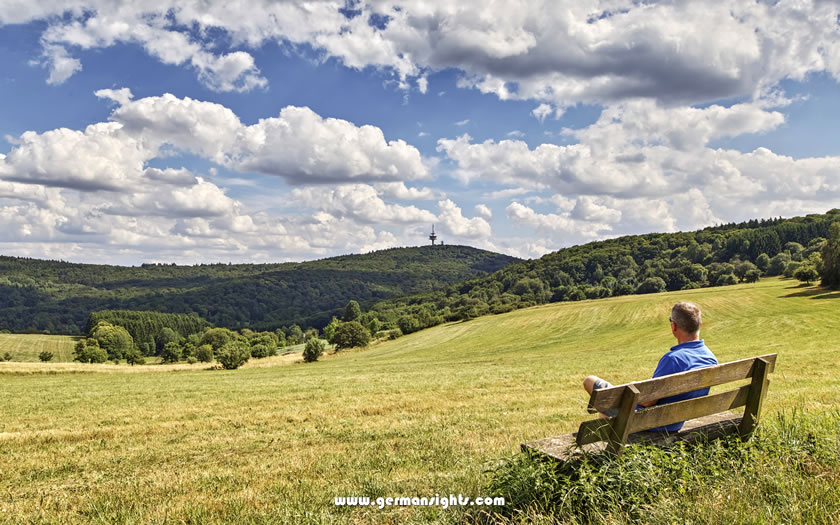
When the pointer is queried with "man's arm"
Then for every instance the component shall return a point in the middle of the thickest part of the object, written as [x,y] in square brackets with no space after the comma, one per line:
[663,368]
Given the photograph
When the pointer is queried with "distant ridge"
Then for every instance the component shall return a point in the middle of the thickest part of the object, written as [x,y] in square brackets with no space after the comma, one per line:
[714,256]
[39,295]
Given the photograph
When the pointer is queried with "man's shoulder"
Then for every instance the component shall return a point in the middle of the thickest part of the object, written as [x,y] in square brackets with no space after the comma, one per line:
[684,358]
[692,356]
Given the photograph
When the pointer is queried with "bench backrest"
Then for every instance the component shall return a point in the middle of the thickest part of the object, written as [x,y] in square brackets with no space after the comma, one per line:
[625,398]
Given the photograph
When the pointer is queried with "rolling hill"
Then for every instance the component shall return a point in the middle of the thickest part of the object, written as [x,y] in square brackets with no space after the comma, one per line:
[56,296]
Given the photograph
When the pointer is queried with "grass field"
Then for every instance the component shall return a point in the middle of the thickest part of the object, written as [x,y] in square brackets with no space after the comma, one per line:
[26,347]
[428,413]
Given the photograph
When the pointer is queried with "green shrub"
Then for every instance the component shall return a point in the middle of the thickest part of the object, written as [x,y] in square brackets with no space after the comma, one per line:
[260,351]
[652,285]
[204,353]
[89,351]
[188,350]
[313,350]
[233,355]
[46,356]
[7,357]
[98,355]
[192,360]
[725,279]
[389,334]
[217,337]
[351,335]
[133,357]
[806,273]
[171,352]
[791,268]
[352,312]
[778,263]
[115,340]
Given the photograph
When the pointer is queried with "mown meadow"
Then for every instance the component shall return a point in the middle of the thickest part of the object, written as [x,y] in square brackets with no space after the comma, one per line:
[26,347]
[439,411]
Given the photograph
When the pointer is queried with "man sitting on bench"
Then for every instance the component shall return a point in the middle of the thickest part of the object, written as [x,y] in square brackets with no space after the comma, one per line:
[690,353]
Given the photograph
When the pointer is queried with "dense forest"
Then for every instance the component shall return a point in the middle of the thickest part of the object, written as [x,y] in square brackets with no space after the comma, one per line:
[57,297]
[714,256]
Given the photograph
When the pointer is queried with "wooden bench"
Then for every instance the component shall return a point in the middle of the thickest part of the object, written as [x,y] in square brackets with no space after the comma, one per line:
[706,417]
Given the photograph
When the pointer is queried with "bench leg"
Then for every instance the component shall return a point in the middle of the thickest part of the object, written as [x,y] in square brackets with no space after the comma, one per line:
[621,424]
[758,388]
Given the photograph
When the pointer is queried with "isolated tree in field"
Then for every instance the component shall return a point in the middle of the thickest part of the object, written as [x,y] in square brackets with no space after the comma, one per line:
[351,335]
[6,357]
[313,350]
[806,273]
[831,258]
[45,356]
[352,312]
[233,355]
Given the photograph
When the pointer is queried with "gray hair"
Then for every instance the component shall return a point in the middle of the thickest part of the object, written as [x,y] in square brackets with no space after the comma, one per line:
[687,317]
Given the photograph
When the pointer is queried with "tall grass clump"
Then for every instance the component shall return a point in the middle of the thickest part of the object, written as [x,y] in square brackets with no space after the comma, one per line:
[789,472]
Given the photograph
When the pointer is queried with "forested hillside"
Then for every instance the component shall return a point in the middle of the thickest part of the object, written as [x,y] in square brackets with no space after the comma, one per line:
[38,295]
[656,262]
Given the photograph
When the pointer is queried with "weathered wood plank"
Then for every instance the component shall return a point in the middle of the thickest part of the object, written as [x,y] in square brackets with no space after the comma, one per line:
[623,423]
[758,388]
[651,389]
[599,429]
[661,415]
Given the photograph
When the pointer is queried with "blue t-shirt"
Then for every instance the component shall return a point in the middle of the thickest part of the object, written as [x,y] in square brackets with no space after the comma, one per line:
[682,358]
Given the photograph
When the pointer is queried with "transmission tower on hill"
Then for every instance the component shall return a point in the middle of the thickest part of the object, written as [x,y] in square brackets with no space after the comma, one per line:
[433,237]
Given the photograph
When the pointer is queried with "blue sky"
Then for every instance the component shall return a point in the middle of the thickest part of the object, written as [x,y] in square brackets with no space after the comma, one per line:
[191,132]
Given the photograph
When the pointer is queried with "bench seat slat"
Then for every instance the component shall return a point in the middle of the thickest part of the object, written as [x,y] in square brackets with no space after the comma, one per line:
[665,386]
[661,415]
